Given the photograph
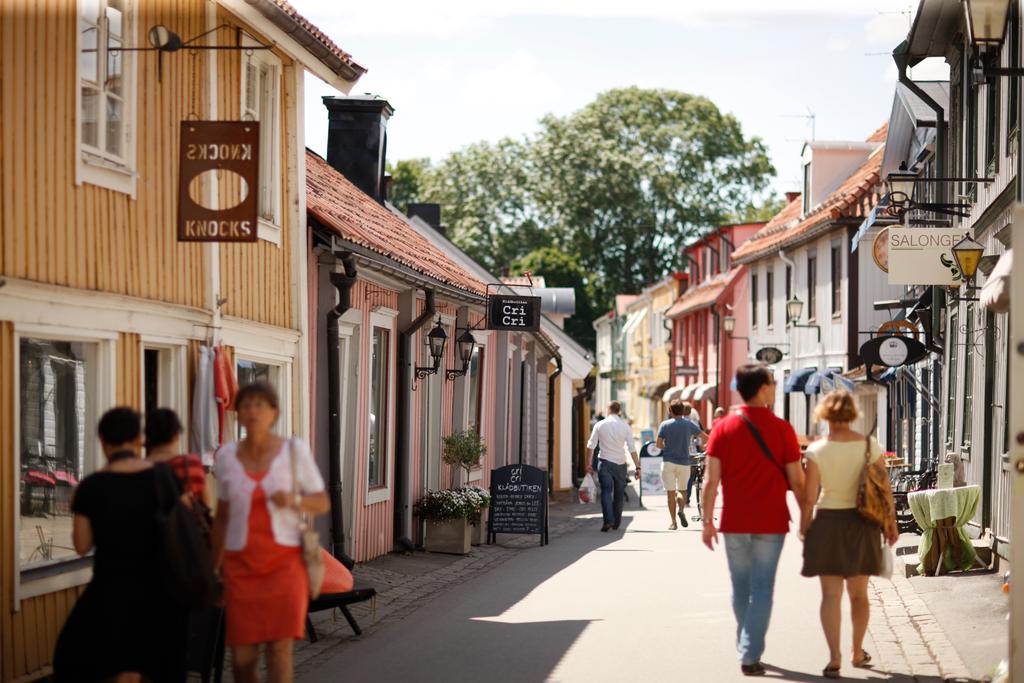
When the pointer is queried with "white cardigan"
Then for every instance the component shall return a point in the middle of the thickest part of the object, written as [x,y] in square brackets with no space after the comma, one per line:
[235,487]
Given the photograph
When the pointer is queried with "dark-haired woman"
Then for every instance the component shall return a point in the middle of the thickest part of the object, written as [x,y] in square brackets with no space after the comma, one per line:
[256,535]
[163,435]
[125,626]
[840,546]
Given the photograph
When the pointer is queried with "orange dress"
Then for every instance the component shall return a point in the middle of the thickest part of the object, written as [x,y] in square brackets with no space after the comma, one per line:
[266,590]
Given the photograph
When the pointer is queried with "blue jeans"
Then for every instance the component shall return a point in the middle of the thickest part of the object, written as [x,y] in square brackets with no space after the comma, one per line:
[612,478]
[753,559]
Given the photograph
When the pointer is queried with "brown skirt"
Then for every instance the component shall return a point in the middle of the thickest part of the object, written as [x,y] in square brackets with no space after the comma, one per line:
[842,543]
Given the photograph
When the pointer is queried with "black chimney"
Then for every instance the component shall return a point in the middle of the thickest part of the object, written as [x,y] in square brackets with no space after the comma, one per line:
[357,140]
[429,214]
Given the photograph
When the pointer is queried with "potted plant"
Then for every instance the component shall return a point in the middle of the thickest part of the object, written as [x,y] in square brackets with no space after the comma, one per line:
[447,516]
[463,449]
[480,500]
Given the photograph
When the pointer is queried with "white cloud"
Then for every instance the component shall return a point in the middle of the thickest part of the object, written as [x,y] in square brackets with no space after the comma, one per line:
[838,44]
[452,17]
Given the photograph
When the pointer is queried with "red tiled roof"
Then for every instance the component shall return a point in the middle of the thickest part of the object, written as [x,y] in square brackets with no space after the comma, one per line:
[787,227]
[703,295]
[320,36]
[355,216]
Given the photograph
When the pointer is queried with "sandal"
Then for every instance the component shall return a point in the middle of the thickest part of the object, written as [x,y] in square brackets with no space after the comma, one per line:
[830,672]
[865,661]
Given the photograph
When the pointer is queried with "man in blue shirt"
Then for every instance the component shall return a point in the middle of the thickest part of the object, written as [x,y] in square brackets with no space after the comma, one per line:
[674,436]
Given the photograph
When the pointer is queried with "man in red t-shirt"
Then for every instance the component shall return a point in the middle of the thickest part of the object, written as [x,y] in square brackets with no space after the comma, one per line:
[756,458]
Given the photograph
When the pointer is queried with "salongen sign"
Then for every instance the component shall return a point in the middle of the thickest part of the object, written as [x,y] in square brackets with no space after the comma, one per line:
[923,256]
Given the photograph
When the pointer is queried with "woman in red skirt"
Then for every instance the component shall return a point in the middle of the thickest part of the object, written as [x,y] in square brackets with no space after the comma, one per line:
[256,536]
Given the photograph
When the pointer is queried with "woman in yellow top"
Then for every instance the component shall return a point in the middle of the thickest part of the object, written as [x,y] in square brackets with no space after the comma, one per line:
[840,546]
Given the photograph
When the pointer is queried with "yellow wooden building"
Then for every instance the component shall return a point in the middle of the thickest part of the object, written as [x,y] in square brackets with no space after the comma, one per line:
[100,305]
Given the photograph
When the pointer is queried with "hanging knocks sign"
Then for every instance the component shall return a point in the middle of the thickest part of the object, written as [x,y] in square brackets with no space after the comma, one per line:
[229,151]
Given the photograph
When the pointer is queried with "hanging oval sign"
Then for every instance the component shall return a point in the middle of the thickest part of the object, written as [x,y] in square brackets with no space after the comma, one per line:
[892,351]
[769,355]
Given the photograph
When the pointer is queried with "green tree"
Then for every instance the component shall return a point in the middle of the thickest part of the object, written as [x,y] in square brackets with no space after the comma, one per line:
[485,191]
[560,269]
[407,177]
[762,213]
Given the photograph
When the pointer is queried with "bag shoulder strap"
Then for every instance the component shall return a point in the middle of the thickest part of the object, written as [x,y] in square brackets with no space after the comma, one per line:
[295,467]
[867,450]
[168,488]
[761,443]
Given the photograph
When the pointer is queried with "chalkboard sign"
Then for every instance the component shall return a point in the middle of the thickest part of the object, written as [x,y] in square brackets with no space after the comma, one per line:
[519,502]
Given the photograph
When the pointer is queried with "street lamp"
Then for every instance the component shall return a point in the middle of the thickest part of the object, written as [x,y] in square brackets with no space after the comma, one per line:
[794,307]
[164,39]
[967,253]
[986,21]
[465,345]
[901,186]
[436,340]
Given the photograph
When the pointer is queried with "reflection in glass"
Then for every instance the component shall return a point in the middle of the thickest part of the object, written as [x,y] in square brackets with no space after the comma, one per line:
[115,68]
[475,387]
[378,408]
[87,58]
[90,105]
[115,110]
[251,371]
[56,427]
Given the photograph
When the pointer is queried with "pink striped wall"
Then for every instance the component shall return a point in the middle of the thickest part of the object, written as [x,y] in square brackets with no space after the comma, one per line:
[373,523]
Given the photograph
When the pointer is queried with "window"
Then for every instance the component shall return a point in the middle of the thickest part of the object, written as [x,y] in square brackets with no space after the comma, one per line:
[475,388]
[812,286]
[807,189]
[1013,45]
[261,101]
[376,464]
[951,373]
[106,108]
[769,293]
[789,282]
[837,279]
[57,443]
[971,129]
[163,380]
[967,428]
[753,299]
[992,113]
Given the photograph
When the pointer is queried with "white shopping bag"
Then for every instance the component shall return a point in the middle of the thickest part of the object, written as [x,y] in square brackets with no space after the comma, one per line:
[885,571]
[588,490]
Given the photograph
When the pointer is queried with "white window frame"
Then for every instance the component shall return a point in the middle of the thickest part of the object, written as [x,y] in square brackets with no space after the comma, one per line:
[385,318]
[482,337]
[283,426]
[268,228]
[95,166]
[173,367]
[104,397]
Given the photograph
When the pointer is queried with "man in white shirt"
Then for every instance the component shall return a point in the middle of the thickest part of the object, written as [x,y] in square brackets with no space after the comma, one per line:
[614,437]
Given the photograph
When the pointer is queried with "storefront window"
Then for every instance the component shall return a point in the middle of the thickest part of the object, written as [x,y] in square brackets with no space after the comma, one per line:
[968,405]
[376,462]
[57,445]
[951,372]
[476,383]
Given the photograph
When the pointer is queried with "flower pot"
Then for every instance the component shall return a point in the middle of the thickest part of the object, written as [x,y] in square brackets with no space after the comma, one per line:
[479,530]
[448,536]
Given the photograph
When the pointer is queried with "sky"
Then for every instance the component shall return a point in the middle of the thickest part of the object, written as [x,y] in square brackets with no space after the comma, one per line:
[461,71]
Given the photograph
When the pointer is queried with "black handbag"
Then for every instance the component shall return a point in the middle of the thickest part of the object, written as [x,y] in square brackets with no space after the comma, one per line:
[184,553]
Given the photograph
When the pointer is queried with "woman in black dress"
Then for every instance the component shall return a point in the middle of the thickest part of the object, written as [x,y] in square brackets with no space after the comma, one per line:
[125,626]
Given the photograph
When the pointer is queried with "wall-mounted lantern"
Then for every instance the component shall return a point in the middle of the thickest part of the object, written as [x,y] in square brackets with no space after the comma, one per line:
[436,340]
[465,345]
[794,307]
[968,254]
[729,325]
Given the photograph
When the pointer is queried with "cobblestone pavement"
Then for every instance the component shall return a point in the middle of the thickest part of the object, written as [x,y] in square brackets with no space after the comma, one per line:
[399,593]
[908,637]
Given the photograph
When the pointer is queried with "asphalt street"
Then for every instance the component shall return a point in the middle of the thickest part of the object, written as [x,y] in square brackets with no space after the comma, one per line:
[642,603]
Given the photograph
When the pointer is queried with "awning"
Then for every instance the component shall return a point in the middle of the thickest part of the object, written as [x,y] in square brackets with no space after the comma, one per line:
[995,293]
[688,392]
[655,391]
[878,217]
[631,322]
[813,384]
[673,393]
[63,477]
[706,392]
[826,381]
[797,379]
[37,478]
[888,375]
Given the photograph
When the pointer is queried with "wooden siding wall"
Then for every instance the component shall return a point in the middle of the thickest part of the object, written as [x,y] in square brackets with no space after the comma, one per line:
[255,278]
[85,236]
[129,370]
[373,523]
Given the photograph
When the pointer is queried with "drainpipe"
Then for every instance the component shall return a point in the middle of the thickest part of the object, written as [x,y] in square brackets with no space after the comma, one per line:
[403,469]
[899,55]
[343,282]
[552,378]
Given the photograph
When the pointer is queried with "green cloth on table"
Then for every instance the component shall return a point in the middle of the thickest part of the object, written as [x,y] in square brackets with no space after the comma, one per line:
[928,507]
